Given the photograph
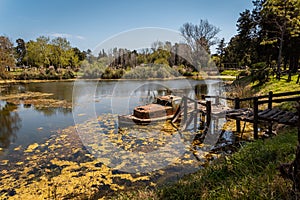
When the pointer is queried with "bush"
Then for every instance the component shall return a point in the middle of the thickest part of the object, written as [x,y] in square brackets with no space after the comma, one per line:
[260,72]
[48,74]
[151,71]
[68,75]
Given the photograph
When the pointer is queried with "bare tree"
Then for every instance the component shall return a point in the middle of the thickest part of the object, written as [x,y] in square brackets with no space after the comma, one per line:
[200,36]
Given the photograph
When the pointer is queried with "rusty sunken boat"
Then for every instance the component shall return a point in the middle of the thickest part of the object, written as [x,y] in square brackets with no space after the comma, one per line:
[162,109]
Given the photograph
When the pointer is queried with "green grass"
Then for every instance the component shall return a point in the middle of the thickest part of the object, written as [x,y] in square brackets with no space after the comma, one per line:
[231,72]
[250,173]
[278,86]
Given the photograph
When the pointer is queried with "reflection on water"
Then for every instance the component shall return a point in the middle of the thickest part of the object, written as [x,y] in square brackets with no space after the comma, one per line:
[200,89]
[9,124]
[53,111]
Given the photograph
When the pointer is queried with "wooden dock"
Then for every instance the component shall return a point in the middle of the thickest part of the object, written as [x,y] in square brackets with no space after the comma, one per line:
[210,107]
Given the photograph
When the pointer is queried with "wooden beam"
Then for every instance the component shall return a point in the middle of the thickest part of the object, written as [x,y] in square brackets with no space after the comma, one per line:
[237,122]
[208,113]
[255,117]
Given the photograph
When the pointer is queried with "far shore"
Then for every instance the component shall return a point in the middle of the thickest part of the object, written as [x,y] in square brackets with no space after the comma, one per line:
[226,78]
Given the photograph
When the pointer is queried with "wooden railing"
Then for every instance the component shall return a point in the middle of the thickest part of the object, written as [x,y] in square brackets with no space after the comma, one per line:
[256,102]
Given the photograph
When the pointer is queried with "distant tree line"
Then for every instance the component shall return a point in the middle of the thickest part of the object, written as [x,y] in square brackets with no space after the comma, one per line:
[118,61]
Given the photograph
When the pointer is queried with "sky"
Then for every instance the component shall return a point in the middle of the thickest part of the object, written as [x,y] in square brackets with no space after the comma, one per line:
[89,23]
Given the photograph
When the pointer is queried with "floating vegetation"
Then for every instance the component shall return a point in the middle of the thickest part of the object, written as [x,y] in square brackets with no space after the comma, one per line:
[96,158]
[26,95]
[31,147]
[38,99]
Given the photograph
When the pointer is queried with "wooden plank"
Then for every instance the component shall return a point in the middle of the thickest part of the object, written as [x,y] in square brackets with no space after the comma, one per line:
[263,112]
[188,121]
[239,113]
[273,117]
[280,100]
[294,120]
[279,117]
[269,114]
[285,119]
[286,94]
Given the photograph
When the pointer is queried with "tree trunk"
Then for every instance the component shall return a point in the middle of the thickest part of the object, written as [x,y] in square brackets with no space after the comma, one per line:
[279,56]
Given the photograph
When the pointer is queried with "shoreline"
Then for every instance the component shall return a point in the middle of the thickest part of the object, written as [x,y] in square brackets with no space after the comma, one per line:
[224,78]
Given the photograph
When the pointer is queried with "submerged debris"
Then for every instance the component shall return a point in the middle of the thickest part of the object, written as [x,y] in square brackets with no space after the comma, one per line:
[37,99]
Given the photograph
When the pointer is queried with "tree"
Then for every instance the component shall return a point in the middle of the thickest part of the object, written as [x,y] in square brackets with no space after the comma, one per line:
[247,38]
[38,52]
[221,51]
[200,38]
[62,52]
[81,56]
[284,15]
[20,51]
[7,59]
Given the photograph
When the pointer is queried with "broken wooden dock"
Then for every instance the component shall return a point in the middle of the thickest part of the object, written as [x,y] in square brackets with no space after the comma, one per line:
[260,110]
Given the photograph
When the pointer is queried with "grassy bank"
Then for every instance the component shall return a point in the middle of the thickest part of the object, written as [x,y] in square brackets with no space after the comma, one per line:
[251,173]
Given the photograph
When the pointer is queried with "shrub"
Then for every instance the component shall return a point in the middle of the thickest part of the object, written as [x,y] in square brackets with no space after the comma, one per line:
[68,74]
[260,72]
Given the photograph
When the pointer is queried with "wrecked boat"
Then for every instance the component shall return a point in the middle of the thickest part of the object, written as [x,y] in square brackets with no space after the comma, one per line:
[162,109]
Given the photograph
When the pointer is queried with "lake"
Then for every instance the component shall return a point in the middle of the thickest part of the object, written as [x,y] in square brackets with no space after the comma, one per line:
[53,129]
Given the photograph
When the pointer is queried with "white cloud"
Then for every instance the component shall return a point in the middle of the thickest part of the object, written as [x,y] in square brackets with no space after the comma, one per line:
[66,35]
[80,37]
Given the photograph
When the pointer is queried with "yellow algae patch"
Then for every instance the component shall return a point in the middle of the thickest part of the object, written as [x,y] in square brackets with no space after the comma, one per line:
[18,148]
[55,161]
[4,162]
[31,147]
[55,146]
[132,179]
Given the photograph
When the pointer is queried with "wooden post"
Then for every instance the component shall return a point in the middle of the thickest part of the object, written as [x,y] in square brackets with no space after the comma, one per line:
[298,125]
[237,106]
[217,100]
[255,117]
[270,100]
[270,107]
[202,96]
[208,113]
[195,115]
[185,109]
[202,122]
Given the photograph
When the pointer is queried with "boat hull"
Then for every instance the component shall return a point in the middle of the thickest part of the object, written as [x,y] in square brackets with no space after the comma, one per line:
[164,109]
[130,120]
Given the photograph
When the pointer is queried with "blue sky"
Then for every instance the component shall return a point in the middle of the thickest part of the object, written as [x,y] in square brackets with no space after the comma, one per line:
[86,23]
